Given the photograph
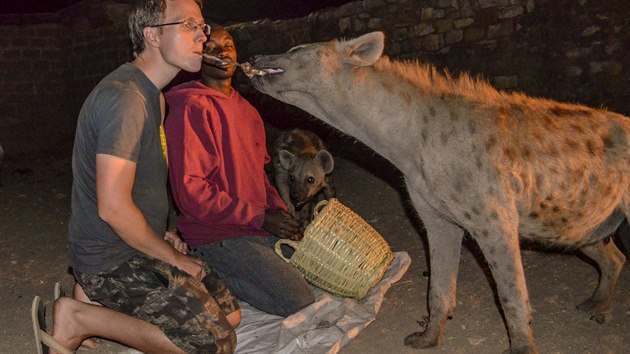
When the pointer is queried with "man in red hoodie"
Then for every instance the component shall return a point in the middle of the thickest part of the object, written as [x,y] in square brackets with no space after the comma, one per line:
[230,213]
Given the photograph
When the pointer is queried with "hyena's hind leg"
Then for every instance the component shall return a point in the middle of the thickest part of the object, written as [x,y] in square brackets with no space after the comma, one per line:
[609,260]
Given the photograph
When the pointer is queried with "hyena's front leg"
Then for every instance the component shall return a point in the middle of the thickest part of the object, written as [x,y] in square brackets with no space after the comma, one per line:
[610,260]
[500,246]
[282,184]
[445,241]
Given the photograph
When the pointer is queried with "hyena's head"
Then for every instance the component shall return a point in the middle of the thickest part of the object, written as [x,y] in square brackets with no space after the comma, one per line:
[306,174]
[313,74]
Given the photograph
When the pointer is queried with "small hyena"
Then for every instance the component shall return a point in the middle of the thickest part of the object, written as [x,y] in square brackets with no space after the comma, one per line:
[496,164]
[302,167]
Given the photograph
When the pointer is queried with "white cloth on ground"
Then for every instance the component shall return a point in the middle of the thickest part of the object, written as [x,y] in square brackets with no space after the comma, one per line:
[323,327]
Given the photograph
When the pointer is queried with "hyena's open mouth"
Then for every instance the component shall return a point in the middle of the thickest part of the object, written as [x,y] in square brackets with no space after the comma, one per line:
[255,72]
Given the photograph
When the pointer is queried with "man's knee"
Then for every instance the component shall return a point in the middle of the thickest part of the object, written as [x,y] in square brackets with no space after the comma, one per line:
[234,318]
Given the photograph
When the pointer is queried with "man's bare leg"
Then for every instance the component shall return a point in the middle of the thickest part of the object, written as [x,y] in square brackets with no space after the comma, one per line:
[73,321]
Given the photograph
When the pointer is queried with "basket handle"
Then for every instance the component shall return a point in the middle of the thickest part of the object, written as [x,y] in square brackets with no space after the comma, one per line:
[292,244]
[319,206]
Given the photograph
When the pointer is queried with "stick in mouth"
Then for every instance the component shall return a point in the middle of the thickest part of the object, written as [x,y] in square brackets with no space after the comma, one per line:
[247,68]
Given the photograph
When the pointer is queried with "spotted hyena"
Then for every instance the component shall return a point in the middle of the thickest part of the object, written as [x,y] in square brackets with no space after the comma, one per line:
[495,164]
[302,169]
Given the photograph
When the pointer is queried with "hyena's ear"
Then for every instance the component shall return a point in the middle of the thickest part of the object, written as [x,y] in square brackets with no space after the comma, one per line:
[326,159]
[287,159]
[364,50]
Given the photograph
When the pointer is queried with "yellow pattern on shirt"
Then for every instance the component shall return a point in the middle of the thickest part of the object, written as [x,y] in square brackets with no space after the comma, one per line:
[163,141]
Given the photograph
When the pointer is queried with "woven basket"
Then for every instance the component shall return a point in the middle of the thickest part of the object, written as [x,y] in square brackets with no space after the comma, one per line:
[340,252]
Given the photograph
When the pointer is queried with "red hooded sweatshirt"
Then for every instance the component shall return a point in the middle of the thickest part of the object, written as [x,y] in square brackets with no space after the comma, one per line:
[217,152]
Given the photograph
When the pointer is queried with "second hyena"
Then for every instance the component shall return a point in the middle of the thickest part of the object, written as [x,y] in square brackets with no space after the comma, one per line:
[302,169]
[495,164]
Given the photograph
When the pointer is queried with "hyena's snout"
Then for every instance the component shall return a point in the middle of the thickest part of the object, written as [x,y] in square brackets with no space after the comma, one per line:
[264,61]
[299,198]
[259,60]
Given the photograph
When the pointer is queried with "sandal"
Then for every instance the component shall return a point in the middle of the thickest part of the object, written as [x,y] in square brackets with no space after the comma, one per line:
[38,316]
[58,292]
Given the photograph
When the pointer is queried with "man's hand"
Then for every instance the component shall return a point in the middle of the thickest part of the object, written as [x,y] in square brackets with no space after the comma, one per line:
[176,242]
[283,225]
[190,265]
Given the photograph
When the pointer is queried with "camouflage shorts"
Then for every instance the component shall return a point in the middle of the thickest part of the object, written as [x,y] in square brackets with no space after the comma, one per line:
[190,312]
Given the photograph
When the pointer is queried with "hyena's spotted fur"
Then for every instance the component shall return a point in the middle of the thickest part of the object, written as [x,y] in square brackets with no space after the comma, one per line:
[496,164]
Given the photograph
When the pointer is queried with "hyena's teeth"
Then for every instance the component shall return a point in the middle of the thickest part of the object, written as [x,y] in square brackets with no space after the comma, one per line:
[251,71]
[272,71]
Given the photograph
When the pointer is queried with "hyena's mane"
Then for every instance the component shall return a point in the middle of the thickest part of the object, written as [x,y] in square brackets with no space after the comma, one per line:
[433,81]
[436,82]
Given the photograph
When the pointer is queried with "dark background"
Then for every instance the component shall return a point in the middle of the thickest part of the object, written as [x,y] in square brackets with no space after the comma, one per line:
[33,6]
[225,10]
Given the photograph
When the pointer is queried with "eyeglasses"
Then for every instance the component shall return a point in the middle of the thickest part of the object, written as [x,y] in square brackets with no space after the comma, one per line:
[189,25]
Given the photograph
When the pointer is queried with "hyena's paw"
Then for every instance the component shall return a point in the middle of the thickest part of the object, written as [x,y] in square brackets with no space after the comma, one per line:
[428,337]
[420,340]
[598,310]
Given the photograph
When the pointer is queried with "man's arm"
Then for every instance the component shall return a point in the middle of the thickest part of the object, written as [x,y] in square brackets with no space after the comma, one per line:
[114,185]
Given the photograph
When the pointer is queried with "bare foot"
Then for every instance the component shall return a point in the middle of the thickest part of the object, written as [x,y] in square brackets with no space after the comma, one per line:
[65,329]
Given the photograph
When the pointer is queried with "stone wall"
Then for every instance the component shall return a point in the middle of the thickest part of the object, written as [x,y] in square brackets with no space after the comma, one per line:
[577,51]
[569,50]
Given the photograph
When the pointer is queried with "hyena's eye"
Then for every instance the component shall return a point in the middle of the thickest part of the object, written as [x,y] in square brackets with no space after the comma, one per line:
[310,180]
[292,178]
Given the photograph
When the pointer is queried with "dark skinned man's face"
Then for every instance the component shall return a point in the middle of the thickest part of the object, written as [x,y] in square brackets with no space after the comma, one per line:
[220,44]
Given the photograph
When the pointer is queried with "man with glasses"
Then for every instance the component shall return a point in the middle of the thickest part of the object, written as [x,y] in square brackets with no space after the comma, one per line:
[156,298]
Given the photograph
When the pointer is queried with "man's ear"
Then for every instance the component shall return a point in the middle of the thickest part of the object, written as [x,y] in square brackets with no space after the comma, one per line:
[151,37]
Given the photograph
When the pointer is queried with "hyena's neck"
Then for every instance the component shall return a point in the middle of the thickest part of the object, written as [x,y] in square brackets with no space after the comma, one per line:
[390,118]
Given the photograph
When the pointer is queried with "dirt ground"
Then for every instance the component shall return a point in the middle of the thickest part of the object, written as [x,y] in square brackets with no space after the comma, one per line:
[34,210]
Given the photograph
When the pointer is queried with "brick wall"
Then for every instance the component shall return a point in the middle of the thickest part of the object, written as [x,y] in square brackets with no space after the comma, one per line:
[32,86]
[570,50]
[95,41]
[50,63]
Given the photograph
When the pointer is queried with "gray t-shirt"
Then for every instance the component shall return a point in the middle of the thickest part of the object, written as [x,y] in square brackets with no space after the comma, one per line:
[120,117]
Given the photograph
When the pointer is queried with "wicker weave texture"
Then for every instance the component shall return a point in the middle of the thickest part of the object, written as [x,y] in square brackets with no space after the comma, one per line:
[340,252]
